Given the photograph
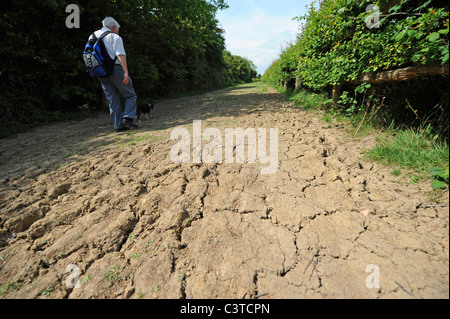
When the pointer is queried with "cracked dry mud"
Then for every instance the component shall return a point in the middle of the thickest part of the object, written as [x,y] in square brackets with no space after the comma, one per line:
[139,226]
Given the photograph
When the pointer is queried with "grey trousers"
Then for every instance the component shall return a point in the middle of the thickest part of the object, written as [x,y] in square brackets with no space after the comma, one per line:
[114,87]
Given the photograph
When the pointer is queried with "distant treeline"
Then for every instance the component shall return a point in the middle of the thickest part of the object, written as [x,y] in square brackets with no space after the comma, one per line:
[172,46]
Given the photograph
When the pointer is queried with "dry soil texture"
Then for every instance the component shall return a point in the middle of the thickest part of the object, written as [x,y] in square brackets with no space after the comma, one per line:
[77,198]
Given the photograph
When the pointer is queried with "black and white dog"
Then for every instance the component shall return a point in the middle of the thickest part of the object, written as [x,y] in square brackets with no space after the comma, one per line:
[145,109]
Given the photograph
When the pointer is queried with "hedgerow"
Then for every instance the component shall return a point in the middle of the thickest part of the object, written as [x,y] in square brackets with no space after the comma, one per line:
[339,40]
[173,47]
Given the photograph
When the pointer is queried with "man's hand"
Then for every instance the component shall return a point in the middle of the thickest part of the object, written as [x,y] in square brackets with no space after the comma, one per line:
[126,79]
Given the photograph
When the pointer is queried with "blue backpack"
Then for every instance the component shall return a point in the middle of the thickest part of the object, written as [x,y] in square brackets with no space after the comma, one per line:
[96,57]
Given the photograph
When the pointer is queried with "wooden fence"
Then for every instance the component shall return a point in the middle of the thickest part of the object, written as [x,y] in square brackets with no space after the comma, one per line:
[398,75]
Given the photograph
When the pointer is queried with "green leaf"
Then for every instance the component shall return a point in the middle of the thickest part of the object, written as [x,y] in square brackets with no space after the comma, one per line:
[433,37]
[439,185]
[341,11]
[395,8]
[445,58]
[416,57]
[419,35]
[444,174]
[443,31]
[362,14]
[436,171]
[440,173]
[422,6]
[400,36]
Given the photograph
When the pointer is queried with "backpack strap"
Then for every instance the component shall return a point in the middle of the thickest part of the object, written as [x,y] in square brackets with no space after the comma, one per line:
[94,38]
[104,35]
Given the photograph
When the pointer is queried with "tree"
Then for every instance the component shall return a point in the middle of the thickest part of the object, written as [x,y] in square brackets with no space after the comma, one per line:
[173,46]
[241,70]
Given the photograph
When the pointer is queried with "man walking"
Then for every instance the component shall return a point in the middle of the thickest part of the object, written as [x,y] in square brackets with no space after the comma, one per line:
[119,82]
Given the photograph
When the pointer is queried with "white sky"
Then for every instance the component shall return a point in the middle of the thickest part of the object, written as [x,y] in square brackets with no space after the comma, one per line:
[259,29]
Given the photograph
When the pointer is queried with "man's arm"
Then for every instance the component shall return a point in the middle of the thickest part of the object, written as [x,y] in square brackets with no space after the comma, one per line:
[123,62]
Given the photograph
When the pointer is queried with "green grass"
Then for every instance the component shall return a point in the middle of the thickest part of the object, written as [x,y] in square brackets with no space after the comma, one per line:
[414,153]
[8,288]
[112,274]
[414,150]
[307,100]
[327,118]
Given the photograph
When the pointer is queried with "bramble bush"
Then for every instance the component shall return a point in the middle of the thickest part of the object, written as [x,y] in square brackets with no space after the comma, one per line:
[340,40]
[336,44]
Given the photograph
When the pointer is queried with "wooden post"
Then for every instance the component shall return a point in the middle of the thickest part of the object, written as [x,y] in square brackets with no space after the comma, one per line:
[298,84]
[336,94]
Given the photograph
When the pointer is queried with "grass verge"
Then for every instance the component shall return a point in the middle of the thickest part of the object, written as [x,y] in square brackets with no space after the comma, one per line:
[413,150]
[418,152]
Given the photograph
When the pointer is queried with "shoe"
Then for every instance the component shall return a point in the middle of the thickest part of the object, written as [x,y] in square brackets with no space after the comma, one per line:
[122,128]
[130,123]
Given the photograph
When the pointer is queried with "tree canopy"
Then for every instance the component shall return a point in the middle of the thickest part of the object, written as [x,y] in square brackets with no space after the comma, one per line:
[173,47]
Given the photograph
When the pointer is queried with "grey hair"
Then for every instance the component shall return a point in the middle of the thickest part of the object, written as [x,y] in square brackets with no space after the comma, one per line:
[110,22]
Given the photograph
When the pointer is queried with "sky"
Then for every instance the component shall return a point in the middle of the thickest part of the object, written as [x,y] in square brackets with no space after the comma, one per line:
[260,29]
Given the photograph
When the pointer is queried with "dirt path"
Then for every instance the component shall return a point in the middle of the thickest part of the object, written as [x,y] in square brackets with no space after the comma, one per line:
[75,197]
